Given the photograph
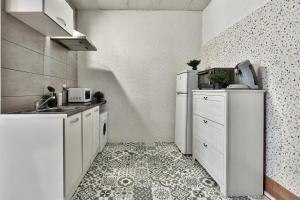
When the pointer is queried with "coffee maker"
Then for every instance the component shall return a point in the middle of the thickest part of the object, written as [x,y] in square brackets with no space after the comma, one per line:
[247,75]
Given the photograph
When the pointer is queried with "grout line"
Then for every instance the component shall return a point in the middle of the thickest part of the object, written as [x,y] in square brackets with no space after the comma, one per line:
[3,67]
[43,54]
[20,45]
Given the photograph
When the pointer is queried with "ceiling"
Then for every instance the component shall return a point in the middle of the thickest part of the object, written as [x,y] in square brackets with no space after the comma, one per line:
[140,4]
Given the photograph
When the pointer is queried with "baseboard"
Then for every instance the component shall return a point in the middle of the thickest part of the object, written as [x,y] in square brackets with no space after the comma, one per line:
[277,191]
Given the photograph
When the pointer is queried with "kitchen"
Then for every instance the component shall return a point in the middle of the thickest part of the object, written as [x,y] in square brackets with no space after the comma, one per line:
[132,54]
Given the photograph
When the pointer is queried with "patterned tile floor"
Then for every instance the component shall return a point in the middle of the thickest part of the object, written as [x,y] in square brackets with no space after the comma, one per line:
[144,172]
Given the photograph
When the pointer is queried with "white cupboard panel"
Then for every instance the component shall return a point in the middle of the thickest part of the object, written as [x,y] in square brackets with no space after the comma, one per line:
[96,129]
[87,137]
[181,122]
[73,151]
[49,17]
[181,83]
[61,13]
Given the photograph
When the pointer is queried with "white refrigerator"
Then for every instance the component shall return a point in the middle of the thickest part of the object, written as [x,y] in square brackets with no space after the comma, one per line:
[186,82]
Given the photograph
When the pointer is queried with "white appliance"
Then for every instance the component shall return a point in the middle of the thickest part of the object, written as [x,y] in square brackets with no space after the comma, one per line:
[79,95]
[186,82]
[103,130]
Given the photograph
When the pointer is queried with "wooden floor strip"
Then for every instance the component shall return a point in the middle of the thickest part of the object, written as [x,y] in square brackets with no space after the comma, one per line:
[278,191]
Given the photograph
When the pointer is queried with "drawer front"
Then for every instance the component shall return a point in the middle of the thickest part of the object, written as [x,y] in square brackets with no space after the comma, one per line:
[212,132]
[210,159]
[60,12]
[210,106]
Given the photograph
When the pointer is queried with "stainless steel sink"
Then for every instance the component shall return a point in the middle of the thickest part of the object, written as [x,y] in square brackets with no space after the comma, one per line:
[57,110]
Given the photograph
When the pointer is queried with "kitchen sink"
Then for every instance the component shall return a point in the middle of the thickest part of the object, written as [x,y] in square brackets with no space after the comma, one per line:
[57,110]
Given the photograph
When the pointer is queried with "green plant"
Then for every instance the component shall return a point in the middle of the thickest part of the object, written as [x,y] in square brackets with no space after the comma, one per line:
[219,77]
[194,64]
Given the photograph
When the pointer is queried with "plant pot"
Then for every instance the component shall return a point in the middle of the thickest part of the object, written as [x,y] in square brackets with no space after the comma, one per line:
[217,86]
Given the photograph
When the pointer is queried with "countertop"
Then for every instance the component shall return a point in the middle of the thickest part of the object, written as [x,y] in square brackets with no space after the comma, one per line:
[80,107]
[69,109]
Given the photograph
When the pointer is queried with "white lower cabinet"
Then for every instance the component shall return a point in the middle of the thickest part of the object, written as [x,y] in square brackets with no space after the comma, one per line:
[72,152]
[81,145]
[87,138]
[96,130]
[228,138]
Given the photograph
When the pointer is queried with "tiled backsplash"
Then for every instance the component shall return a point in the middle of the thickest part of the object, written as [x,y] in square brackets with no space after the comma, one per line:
[270,38]
[31,62]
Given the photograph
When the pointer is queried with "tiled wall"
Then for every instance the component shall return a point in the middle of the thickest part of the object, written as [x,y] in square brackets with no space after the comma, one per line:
[31,62]
[270,38]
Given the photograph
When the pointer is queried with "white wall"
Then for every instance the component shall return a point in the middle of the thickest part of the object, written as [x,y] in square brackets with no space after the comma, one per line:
[139,54]
[220,15]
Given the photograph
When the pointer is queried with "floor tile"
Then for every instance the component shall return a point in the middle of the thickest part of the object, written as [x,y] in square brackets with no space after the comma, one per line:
[144,172]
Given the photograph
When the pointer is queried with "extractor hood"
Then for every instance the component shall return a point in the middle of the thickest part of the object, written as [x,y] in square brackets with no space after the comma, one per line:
[77,42]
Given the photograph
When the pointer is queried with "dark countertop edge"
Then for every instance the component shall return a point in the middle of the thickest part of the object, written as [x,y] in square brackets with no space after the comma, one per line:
[83,107]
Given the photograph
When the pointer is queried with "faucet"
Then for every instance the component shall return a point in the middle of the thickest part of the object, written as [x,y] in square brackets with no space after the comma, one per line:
[38,105]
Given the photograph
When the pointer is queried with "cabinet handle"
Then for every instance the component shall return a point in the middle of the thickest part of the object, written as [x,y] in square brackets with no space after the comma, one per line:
[74,120]
[62,21]
[205,121]
[89,114]
[205,145]
[97,110]
[205,98]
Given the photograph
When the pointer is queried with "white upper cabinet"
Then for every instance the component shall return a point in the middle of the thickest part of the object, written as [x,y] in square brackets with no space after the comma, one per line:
[49,17]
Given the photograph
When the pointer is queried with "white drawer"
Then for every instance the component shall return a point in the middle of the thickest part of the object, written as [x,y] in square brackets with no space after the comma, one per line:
[210,106]
[210,159]
[212,132]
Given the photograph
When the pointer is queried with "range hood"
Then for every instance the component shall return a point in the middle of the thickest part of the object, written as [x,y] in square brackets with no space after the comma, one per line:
[77,42]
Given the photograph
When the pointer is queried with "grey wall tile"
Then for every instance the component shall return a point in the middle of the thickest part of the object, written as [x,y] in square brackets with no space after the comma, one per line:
[71,83]
[15,104]
[27,71]
[20,58]
[55,50]
[54,68]
[16,31]
[54,82]
[71,73]
[72,59]
[16,83]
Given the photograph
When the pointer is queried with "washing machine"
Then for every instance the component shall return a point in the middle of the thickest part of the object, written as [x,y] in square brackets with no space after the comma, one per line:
[103,130]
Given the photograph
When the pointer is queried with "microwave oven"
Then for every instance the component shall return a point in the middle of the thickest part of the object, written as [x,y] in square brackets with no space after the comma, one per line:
[205,83]
[79,95]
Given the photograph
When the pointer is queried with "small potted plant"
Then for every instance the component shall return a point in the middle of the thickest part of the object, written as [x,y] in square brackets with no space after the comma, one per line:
[219,79]
[194,64]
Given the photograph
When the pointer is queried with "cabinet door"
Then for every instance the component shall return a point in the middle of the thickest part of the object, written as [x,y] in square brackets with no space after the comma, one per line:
[96,129]
[60,12]
[87,137]
[181,83]
[181,123]
[73,151]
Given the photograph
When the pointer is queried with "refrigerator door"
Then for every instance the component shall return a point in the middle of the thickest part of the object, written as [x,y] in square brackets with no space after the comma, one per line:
[181,122]
[182,83]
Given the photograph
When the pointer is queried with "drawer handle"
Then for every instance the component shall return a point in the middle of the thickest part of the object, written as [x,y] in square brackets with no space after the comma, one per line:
[89,114]
[205,121]
[205,98]
[97,110]
[205,145]
[74,120]
[62,21]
